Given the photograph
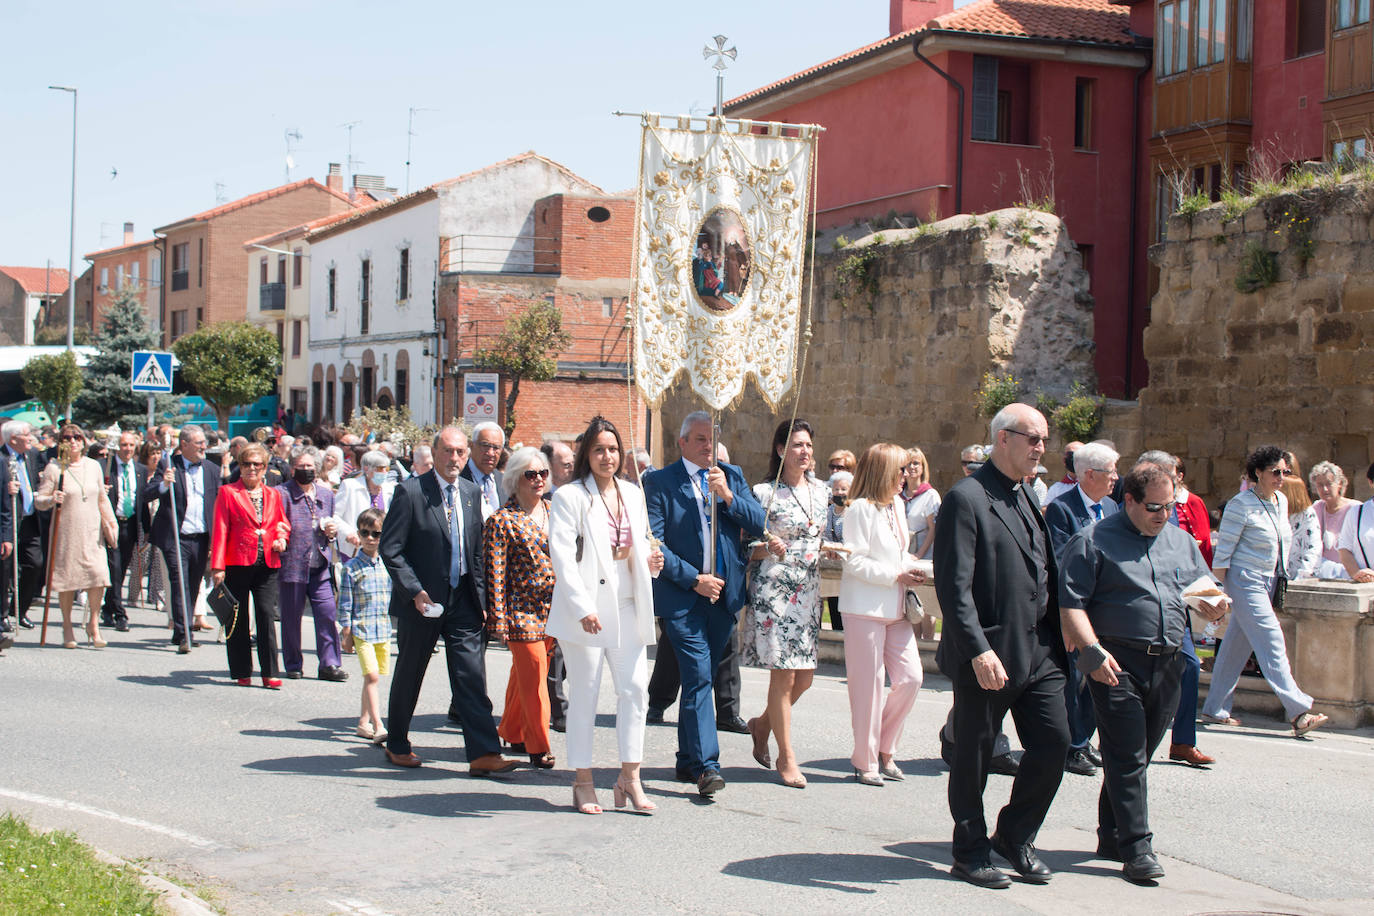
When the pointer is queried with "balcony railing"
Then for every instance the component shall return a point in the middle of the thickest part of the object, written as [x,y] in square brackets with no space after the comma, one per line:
[272,297]
[181,279]
[506,254]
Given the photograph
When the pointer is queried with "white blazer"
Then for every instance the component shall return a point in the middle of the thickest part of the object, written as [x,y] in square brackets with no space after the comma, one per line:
[588,586]
[349,502]
[877,555]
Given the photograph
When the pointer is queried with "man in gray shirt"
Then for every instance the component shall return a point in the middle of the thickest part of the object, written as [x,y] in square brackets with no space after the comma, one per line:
[1121,584]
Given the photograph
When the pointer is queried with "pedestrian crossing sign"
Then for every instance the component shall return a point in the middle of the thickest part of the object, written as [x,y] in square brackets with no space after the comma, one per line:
[151,372]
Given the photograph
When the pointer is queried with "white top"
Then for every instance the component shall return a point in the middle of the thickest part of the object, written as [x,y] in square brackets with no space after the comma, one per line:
[876,537]
[1306,549]
[920,515]
[194,522]
[1253,532]
[1365,559]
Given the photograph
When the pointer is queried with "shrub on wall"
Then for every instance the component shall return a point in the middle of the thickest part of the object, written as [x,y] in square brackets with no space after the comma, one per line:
[997,392]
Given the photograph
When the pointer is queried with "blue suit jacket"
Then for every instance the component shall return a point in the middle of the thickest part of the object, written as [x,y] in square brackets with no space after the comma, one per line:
[675,519]
[1067,514]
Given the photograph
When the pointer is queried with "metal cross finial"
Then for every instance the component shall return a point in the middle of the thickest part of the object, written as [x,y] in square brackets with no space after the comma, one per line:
[720,53]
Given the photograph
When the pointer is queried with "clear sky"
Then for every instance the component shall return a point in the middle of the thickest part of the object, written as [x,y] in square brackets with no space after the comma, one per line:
[182,95]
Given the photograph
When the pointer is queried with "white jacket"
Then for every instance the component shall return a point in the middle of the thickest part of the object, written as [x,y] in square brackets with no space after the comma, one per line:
[877,555]
[349,502]
[588,586]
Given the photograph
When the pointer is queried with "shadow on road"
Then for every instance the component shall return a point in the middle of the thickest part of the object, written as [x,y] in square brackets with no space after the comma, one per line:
[832,871]
[466,804]
[364,760]
[924,766]
[181,680]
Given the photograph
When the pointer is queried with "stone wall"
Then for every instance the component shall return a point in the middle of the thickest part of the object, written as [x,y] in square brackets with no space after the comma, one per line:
[1291,363]
[902,361]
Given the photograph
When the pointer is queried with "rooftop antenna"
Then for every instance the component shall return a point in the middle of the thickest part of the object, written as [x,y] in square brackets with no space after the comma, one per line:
[410,132]
[220,196]
[351,161]
[292,135]
[720,52]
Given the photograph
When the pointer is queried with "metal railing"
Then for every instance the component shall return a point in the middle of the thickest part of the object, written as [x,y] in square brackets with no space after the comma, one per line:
[272,297]
[506,254]
[593,345]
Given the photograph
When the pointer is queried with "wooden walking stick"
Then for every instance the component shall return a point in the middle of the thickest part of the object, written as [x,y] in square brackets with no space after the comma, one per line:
[64,461]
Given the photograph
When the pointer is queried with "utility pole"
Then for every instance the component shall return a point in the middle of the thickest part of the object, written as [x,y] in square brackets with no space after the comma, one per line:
[71,250]
[410,132]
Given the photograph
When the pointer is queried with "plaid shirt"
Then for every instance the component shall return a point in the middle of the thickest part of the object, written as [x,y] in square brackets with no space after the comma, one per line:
[364,596]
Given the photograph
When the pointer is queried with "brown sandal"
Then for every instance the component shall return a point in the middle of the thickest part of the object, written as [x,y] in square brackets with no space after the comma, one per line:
[1307,721]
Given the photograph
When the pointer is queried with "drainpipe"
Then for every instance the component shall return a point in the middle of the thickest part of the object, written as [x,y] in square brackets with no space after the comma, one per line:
[1133,232]
[959,136]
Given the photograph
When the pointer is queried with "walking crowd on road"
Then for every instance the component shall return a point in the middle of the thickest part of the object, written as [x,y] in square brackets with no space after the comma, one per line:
[1077,608]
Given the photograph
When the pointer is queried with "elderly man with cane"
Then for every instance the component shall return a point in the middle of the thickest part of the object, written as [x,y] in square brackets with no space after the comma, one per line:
[181,528]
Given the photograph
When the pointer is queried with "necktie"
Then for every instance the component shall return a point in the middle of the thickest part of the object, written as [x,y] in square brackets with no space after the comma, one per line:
[190,465]
[126,500]
[705,489]
[1097,512]
[455,566]
[489,492]
[706,515]
[25,489]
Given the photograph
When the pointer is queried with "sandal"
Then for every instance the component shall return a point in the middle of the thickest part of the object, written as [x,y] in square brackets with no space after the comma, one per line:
[580,801]
[1220,720]
[544,761]
[1308,721]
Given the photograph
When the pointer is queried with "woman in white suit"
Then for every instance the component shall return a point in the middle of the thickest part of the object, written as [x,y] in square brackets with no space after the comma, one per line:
[877,636]
[603,608]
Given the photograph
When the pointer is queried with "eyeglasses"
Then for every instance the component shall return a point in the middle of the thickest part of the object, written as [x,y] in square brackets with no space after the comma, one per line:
[369,533]
[488,446]
[1159,507]
[533,475]
[1033,440]
[1277,472]
[837,467]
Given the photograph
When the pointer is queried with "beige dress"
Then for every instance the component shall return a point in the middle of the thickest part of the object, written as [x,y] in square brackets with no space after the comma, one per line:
[86,525]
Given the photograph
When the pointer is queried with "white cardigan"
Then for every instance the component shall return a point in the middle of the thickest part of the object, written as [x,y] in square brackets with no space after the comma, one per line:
[877,555]
[588,586]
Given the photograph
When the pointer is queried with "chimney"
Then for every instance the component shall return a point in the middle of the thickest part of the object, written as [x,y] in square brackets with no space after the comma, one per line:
[335,180]
[128,233]
[905,15]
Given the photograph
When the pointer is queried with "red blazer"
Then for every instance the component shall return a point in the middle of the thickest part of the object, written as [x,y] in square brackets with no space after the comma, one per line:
[1192,518]
[234,539]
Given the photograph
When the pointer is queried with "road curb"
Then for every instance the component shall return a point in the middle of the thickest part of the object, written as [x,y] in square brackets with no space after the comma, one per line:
[172,898]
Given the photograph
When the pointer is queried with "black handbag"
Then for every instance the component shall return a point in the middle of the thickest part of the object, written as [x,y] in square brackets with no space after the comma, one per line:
[225,607]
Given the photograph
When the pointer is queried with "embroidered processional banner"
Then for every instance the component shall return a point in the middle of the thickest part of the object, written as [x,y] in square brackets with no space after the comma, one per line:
[720,243]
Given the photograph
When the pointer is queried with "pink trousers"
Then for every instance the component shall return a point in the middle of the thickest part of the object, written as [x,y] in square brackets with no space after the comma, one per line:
[872,645]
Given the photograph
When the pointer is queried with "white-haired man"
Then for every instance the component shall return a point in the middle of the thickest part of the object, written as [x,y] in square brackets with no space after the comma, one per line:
[22,465]
[488,439]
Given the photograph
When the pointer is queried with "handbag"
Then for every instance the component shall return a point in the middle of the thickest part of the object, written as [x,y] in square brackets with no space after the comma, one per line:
[225,607]
[912,607]
[1280,588]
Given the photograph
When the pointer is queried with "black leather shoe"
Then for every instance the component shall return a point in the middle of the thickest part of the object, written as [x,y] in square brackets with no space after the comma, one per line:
[1078,763]
[1094,755]
[294,675]
[1024,860]
[710,783]
[1007,764]
[1144,867]
[733,724]
[189,643]
[25,622]
[184,648]
[559,725]
[121,626]
[333,673]
[682,775]
[981,874]
[653,716]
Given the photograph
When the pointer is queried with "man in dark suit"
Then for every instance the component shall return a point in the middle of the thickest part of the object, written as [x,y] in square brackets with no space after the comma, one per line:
[186,472]
[1083,504]
[696,604]
[488,439]
[25,463]
[128,478]
[1001,646]
[431,540]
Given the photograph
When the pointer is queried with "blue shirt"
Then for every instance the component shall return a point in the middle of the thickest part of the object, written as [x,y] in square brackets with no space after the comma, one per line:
[364,596]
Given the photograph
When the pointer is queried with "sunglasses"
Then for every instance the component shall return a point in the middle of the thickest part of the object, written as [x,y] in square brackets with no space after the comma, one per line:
[837,467]
[533,475]
[369,533]
[1277,472]
[254,465]
[1033,440]
[71,438]
[1159,507]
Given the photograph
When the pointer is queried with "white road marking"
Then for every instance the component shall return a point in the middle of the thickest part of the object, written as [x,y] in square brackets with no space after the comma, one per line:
[360,907]
[63,804]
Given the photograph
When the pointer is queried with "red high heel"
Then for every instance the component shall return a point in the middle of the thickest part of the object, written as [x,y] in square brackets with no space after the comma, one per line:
[271,683]
[245,681]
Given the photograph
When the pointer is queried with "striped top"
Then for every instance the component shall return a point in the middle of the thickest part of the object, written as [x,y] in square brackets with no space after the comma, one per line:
[1252,534]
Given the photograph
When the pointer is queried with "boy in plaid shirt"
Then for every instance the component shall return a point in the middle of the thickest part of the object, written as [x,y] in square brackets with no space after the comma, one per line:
[364,596]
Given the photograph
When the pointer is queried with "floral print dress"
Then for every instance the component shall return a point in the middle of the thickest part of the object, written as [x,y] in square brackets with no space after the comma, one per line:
[782,618]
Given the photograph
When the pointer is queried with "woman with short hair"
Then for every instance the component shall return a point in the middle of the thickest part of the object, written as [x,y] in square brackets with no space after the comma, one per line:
[305,575]
[1357,539]
[1329,483]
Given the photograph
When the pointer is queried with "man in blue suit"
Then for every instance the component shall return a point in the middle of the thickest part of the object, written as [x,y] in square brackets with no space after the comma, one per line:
[1084,504]
[696,605]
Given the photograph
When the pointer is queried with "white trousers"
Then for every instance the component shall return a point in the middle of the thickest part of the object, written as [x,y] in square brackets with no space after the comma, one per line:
[1254,625]
[629,673]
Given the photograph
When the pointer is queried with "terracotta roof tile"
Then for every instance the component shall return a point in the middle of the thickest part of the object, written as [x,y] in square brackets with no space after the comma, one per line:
[107,251]
[38,279]
[256,199]
[363,205]
[1096,21]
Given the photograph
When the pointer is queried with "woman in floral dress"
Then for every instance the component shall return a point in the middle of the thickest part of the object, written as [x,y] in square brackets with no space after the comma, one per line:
[782,619]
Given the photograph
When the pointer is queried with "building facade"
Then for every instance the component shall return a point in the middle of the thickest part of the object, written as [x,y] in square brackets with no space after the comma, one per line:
[30,298]
[133,265]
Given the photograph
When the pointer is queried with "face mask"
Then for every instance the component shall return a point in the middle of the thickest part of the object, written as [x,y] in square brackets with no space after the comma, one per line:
[304,476]
[839,500]
[378,478]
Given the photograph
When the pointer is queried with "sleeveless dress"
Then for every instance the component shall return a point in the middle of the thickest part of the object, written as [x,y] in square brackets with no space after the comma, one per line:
[782,618]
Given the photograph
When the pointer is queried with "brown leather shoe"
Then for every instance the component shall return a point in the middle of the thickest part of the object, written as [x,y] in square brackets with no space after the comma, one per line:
[1186,753]
[401,760]
[488,764]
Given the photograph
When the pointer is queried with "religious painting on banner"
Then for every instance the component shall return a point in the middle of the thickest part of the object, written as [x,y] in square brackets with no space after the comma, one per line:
[720,245]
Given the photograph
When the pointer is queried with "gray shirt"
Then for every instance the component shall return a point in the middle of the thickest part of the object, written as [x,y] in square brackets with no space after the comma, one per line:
[1130,584]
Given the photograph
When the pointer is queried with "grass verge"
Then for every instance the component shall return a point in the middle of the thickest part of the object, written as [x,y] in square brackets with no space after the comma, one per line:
[57,873]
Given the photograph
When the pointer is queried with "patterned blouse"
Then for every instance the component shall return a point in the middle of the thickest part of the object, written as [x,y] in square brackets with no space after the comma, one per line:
[519,574]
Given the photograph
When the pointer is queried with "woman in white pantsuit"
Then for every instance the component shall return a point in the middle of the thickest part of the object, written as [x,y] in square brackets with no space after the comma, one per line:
[603,608]
[878,638]
[1252,552]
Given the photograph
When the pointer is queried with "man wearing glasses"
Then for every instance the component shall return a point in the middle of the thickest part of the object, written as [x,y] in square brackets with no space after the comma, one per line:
[195,487]
[487,441]
[1002,648]
[1121,586]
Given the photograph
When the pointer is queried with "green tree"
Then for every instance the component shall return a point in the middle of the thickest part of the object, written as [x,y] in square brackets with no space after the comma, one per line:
[53,335]
[106,397]
[54,380]
[229,365]
[527,349]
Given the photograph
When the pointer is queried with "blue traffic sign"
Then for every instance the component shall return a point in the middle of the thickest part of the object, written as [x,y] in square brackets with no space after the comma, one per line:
[151,372]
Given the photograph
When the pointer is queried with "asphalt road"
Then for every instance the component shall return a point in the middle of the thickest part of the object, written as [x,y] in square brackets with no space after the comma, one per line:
[265,802]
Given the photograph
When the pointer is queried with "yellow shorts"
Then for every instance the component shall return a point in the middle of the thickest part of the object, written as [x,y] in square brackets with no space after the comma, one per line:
[373,657]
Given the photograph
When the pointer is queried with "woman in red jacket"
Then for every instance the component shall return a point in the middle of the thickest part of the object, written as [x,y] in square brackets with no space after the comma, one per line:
[249,533]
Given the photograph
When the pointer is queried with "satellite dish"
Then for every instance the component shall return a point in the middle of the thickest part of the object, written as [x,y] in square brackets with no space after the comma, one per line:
[290,161]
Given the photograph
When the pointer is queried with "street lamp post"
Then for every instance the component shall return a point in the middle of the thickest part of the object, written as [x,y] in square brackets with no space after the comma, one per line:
[71,242]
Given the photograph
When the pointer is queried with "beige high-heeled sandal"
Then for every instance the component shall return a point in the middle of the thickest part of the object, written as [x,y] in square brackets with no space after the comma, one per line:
[634,794]
[586,807]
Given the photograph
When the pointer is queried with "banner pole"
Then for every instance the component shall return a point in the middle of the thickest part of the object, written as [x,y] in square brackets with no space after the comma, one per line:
[711,541]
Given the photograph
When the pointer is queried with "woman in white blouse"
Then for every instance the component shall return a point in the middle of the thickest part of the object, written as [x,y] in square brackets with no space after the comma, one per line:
[1251,555]
[603,608]
[1305,552]
[877,637]
[1357,539]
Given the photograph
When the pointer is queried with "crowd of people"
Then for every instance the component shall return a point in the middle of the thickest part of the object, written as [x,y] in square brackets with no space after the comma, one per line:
[1072,607]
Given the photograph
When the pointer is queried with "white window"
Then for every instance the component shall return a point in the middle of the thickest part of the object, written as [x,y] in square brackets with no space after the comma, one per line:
[134,271]
[104,278]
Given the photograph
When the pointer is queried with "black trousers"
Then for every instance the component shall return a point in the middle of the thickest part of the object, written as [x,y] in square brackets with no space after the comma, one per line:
[1131,720]
[195,551]
[463,629]
[120,557]
[30,567]
[666,681]
[558,699]
[1037,708]
[258,583]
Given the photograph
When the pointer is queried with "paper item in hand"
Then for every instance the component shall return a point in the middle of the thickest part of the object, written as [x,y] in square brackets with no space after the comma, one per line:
[1204,596]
